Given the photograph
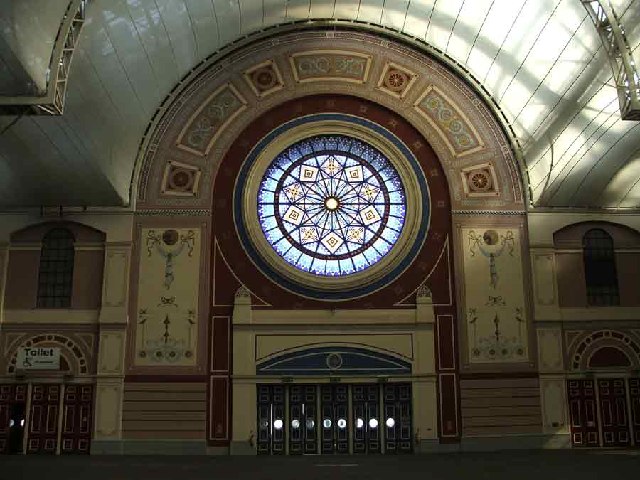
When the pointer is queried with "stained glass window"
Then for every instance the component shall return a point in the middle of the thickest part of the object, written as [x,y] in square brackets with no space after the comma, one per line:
[331,205]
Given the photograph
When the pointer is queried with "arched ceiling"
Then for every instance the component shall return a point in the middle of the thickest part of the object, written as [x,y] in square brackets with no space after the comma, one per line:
[540,60]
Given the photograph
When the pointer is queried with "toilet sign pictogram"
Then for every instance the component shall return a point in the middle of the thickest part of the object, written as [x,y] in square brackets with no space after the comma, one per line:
[38,358]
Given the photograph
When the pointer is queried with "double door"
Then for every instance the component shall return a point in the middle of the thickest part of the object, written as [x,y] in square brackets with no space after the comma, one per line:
[55,419]
[604,412]
[334,419]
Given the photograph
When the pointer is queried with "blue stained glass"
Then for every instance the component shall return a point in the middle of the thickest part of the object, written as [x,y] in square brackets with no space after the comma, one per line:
[331,205]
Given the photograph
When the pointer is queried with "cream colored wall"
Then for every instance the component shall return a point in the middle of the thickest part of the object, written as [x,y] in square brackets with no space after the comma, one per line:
[260,334]
[551,320]
[109,321]
[545,262]
[167,302]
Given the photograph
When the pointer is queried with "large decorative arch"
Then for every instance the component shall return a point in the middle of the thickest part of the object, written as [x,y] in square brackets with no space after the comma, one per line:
[204,115]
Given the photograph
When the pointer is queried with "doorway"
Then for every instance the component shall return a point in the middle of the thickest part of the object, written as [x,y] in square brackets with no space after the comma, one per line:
[334,419]
[13,401]
[604,412]
[56,419]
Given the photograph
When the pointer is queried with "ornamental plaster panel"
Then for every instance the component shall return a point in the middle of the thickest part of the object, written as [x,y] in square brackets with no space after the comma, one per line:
[183,112]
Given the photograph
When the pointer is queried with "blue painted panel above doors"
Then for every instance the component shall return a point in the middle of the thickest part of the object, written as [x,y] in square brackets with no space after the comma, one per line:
[334,360]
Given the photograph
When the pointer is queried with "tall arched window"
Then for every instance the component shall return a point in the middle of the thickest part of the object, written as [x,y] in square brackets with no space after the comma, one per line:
[56,269]
[600,268]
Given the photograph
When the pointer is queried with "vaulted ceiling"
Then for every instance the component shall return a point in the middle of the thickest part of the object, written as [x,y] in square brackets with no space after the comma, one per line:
[541,61]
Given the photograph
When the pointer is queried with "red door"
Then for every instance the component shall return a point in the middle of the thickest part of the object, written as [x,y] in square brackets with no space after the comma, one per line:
[613,412]
[77,419]
[582,408]
[634,391]
[43,420]
[10,397]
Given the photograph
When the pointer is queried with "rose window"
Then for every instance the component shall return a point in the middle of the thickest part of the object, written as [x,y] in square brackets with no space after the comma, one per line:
[331,205]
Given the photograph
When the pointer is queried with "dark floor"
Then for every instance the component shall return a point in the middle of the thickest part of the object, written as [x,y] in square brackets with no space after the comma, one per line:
[518,465]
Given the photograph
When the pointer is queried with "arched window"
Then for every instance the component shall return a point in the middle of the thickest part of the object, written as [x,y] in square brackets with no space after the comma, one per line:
[600,268]
[56,269]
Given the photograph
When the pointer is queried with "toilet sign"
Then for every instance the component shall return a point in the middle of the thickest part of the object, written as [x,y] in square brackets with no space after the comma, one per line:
[38,358]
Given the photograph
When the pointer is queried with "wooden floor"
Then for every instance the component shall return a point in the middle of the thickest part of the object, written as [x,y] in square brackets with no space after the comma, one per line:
[520,465]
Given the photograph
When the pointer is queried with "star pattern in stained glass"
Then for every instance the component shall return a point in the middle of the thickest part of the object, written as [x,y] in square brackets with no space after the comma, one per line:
[331,205]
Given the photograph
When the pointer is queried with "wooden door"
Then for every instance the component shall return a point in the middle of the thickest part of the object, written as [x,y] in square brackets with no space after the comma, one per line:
[634,395]
[10,395]
[583,413]
[77,419]
[43,419]
[613,412]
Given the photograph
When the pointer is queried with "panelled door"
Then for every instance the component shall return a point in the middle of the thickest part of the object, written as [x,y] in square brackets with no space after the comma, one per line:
[303,437]
[43,419]
[397,415]
[77,419]
[613,412]
[634,396]
[13,399]
[334,408]
[271,431]
[366,417]
[583,413]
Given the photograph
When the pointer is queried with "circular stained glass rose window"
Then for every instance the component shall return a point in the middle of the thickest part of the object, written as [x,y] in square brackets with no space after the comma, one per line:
[331,205]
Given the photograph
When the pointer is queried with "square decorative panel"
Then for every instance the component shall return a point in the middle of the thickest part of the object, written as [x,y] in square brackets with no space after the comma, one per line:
[180,179]
[396,80]
[480,181]
[264,78]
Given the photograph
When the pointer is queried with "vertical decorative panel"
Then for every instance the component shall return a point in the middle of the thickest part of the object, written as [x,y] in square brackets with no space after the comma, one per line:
[554,403]
[550,349]
[448,405]
[220,342]
[219,407]
[496,314]
[446,343]
[167,315]
[544,279]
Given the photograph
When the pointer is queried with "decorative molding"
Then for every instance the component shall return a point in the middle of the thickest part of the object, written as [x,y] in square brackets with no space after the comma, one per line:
[488,212]
[396,80]
[180,179]
[264,78]
[319,65]
[446,116]
[208,121]
[175,212]
[480,181]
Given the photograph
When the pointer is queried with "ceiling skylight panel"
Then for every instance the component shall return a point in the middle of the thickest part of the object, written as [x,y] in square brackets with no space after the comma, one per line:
[394,13]
[370,11]
[250,14]
[493,34]
[297,9]
[346,8]
[418,17]
[622,183]
[228,17]
[442,21]
[468,28]
[320,8]
[273,11]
